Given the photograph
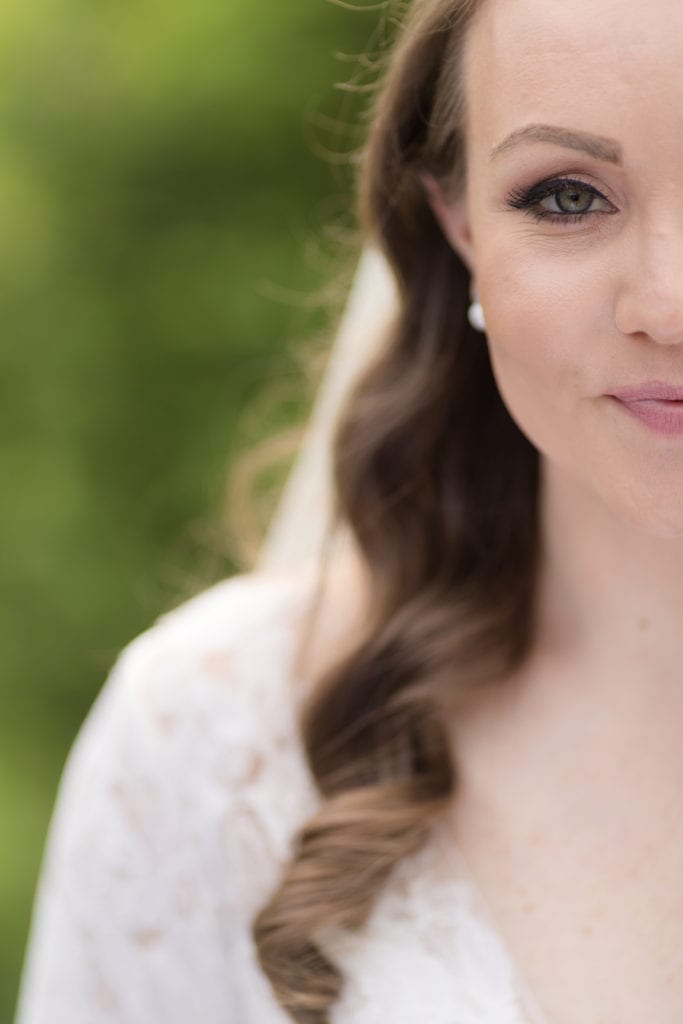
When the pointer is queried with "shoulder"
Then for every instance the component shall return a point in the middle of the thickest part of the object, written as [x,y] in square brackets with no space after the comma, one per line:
[214,675]
[208,696]
[204,704]
[227,642]
[229,615]
[175,813]
[190,756]
[249,637]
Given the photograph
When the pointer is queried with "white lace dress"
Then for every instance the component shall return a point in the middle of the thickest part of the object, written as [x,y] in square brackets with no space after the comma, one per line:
[173,821]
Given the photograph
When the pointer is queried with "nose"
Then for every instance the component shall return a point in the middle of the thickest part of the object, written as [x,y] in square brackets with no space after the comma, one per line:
[650,301]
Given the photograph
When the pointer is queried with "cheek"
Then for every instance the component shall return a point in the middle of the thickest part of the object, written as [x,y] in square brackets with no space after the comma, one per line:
[537,345]
[554,349]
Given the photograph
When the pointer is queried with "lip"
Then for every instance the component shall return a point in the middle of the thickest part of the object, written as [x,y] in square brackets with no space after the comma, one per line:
[663,417]
[651,390]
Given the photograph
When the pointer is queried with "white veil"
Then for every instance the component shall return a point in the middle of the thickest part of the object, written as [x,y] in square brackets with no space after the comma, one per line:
[298,529]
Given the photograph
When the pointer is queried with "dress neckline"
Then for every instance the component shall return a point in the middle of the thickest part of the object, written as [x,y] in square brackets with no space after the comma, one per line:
[530,1005]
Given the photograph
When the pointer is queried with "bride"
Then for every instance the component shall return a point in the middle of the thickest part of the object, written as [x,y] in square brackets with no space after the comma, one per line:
[437,777]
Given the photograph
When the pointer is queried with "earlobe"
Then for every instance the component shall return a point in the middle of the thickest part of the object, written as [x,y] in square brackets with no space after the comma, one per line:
[452,217]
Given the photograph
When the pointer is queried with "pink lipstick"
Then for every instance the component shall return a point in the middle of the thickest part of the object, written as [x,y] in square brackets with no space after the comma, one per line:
[657,404]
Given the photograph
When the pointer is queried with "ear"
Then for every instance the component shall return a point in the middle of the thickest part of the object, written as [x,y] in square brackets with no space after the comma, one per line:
[453,217]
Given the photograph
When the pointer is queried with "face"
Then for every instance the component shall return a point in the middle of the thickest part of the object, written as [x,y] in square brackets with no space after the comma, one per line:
[581,282]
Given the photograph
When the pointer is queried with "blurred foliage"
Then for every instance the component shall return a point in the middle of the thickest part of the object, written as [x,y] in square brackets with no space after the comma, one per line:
[167,212]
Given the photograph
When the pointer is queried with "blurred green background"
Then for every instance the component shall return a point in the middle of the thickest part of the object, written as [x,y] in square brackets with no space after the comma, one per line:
[167,218]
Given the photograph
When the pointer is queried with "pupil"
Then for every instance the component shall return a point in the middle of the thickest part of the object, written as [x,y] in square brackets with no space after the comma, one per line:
[574,198]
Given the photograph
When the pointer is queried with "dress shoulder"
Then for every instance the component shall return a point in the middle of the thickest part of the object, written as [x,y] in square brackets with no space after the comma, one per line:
[173,819]
[173,822]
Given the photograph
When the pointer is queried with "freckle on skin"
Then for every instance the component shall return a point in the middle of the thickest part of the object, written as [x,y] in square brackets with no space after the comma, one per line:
[588,929]
[643,624]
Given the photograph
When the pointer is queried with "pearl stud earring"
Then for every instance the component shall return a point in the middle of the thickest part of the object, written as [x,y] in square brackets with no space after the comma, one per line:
[475,314]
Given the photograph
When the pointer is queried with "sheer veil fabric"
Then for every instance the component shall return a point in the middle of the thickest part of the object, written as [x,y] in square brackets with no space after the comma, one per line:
[298,529]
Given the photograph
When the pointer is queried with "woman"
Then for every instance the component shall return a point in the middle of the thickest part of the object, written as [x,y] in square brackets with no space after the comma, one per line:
[264,822]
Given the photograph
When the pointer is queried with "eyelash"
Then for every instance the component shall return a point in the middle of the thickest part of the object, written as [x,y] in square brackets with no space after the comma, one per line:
[529,199]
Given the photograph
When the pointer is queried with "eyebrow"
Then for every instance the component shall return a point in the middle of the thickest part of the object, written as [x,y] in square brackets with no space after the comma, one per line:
[595,145]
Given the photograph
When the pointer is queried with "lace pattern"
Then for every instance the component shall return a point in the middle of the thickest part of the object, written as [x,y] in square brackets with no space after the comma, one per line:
[173,821]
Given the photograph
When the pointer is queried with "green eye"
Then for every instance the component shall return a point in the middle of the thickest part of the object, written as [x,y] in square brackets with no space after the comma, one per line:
[573,203]
[579,197]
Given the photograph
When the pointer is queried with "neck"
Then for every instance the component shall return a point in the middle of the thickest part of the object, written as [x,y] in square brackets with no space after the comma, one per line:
[594,715]
[610,593]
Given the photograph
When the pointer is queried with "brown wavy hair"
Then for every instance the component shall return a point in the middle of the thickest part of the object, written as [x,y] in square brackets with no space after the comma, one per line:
[440,490]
